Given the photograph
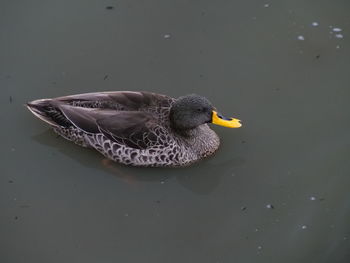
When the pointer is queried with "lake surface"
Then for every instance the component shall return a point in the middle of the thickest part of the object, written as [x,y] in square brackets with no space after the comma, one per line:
[276,191]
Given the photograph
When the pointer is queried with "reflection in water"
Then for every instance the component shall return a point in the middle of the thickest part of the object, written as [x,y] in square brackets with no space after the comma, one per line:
[201,178]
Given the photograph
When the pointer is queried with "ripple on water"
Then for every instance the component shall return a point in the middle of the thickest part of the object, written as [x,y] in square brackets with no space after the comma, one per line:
[339,36]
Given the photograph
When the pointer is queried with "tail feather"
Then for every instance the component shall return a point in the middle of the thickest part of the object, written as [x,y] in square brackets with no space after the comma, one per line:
[42,109]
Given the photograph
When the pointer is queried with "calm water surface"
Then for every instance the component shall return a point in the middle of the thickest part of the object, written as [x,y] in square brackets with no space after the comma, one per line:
[277,190]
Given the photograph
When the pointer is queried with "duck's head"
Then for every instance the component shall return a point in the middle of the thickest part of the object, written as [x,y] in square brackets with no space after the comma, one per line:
[190,111]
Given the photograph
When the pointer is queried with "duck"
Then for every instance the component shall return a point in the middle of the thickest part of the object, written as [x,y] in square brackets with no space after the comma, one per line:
[137,128]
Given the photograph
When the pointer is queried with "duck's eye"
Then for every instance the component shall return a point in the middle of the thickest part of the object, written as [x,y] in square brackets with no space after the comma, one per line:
[199,109]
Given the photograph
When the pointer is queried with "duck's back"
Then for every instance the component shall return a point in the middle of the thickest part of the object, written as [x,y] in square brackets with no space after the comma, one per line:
[127,127]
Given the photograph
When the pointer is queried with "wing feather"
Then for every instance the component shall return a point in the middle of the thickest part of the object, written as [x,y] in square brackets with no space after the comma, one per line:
[132,128]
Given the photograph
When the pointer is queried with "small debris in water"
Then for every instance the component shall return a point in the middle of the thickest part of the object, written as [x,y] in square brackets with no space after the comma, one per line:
[301,38]
[260,247]
[256,229]
[337,47]
[167,36]
[345,238]
[10,99]
[315,24]
[270,206]
[13,149]
[312,198]
[337,29]
[162,182]
[303,227]
[16,217]
[339,36]
[10,181]
[266,5]
[105,77]
[126,214]
[158,201]
[243,141]
[109,7]
[243,208]
[318,56]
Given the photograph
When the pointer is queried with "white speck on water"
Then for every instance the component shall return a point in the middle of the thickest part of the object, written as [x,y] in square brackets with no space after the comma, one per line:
[256,230]
[337,29]
[162,182]
[312,198]
[13,149]
[303,227]
[126,214]
[15,199]
[345,238]
[260,247]
[315,24]
[337,47]
[301,38]
[339,36]
[269,206]
[167,36]
[266,5]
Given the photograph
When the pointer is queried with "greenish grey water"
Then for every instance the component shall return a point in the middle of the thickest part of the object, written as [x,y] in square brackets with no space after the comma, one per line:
[60,203]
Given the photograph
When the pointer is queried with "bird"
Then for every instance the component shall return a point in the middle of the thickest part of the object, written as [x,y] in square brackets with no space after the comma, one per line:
[140,128]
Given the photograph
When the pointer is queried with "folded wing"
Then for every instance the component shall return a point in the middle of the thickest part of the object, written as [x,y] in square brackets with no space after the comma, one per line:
[132,128]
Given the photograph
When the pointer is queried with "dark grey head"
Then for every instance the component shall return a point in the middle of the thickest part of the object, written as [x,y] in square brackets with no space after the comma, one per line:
[190,111]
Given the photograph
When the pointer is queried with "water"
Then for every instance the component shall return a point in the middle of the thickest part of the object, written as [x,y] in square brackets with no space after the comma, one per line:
[63,203]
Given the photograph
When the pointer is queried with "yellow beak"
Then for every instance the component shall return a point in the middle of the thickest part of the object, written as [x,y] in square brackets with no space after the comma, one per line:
[226,122]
